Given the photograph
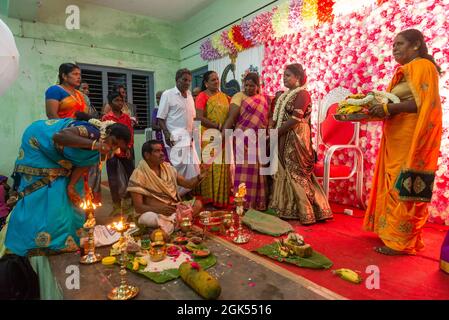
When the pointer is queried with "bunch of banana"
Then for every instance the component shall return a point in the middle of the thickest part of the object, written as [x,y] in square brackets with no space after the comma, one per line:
[283,250]
[348,275]
[349,109]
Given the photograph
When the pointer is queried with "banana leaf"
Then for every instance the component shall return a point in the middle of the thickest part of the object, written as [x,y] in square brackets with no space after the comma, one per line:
[171,274]
[315,261]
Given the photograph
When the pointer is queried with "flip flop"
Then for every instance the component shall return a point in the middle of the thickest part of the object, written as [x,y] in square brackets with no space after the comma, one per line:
[389,252]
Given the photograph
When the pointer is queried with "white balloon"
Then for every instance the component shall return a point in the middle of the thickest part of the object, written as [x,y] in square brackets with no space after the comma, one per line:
[9,58]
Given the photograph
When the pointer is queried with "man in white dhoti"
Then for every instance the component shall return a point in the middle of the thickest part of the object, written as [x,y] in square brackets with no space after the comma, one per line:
[153,188]
[176,114]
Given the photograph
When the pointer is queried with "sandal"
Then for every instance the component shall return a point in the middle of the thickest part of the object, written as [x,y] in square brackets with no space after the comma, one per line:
[388,251]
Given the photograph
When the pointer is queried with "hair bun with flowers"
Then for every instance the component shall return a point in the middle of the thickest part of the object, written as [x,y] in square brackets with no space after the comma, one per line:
[102,126]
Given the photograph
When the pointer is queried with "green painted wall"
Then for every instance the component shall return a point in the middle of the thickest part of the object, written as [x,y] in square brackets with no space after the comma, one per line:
[4,7]
[218,14]
[106,37]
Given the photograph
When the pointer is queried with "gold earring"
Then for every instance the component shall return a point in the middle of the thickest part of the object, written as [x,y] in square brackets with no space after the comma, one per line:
[416,48]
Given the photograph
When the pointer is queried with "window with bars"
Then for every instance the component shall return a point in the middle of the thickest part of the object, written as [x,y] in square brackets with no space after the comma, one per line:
[139,88]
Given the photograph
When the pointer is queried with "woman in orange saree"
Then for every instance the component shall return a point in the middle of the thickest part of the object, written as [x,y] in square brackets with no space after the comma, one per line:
[64,100]
[408,155]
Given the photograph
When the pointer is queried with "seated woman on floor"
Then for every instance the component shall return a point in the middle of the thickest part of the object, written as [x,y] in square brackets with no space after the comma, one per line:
[154,189]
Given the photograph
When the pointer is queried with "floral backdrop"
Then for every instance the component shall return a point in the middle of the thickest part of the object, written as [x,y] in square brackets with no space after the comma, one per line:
[352,50]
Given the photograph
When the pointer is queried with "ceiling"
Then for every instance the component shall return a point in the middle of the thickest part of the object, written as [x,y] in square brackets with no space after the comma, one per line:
[170,10]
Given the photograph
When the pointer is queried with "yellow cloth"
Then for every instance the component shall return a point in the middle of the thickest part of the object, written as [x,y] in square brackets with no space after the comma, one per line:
[238,98]
[147,183]
[407,161]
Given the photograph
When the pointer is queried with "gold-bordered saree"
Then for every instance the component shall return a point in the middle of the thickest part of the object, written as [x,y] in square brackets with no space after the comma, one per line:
[407,161]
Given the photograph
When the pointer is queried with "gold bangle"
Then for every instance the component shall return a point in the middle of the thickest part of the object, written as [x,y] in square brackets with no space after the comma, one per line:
[385,105]
[93,145]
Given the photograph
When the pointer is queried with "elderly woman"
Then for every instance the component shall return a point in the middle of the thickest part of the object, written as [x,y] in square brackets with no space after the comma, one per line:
[296,192]
[409,148]
[212,107]
[64,100]
[249,111]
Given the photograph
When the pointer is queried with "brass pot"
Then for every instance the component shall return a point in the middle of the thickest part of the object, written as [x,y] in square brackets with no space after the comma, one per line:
[185,225]
[158,252]
[228,220]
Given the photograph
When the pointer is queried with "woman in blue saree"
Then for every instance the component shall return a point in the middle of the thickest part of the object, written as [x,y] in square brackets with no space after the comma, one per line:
[53,156]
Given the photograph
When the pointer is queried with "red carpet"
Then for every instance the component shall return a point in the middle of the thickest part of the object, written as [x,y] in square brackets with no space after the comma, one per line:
[344,242]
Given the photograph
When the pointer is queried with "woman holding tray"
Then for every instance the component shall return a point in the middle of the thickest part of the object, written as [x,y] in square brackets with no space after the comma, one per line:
[408,154]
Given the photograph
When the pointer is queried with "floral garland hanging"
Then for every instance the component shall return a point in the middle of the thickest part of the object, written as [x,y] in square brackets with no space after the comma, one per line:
[227,43]
[218,45]
[294,15]
[239,40]
[261,27]
[208,52]
[325,10]
[309,12]
[246,31]
[287,18]
[280,20]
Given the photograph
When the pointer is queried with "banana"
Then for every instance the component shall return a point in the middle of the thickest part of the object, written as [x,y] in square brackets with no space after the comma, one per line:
[141,261]
[348,275]
[284,253]
[349,109]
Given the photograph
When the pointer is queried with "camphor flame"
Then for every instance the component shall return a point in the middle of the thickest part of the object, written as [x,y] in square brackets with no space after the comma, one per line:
[118,226]
[88,204]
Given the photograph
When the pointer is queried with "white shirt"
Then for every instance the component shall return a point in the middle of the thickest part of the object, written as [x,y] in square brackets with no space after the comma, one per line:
[177,111]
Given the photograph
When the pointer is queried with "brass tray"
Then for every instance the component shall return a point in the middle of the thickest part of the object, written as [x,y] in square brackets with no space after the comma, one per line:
[211,218]
[356,117]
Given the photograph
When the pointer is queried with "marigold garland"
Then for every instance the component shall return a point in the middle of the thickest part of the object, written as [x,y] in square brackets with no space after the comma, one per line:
[239,40]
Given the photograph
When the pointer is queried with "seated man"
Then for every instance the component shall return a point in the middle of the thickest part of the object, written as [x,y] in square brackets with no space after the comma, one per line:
[153,187]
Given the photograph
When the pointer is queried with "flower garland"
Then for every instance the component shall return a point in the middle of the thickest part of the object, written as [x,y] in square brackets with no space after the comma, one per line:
[325,10]
[281,103]
[309,12]
[218,45]
[280,21]
[208,52]
[294,15]
[238,39]
[291,16]
[233,40]
[261,27]
[386,96]
[227,43]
